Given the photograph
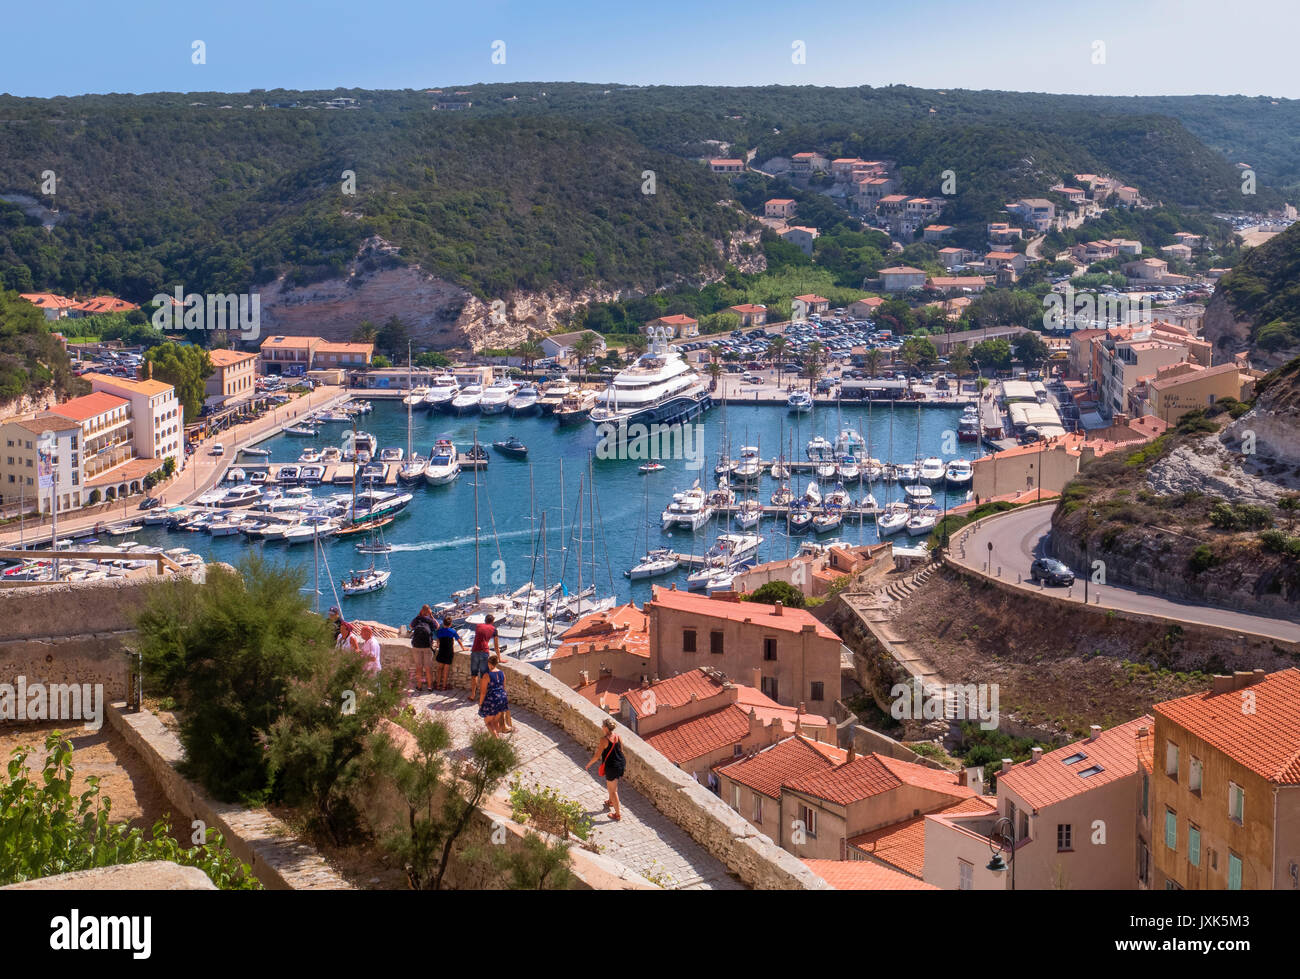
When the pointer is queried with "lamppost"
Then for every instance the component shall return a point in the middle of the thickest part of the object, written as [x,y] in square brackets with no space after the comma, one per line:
[1000,843]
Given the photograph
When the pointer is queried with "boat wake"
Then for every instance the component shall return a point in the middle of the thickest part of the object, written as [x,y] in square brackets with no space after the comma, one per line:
[441,545]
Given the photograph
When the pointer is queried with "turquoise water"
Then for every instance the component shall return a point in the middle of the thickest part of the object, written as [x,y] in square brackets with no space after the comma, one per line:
[433,553]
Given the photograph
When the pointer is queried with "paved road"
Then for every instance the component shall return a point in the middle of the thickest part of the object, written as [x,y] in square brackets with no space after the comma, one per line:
[1019,535]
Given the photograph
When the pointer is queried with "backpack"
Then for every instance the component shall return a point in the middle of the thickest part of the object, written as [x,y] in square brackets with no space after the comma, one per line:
[421,637]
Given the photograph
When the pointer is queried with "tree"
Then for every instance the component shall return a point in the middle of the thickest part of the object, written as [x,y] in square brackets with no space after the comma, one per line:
[812,365]
[776,348]
[583,347]
[431,358]
[873,358]
[778,591]
[636,345]
[714,370]
[392,337]
[994,354]
[186,367]
[424,844]
[1030,350]
[530,351]
[47,828]
[1289,504]
[366,332]
[917,352]
[959,360]
[379,361]
[228,651]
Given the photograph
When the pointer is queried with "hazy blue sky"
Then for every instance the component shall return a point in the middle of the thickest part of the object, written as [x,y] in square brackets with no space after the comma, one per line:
[1172,47]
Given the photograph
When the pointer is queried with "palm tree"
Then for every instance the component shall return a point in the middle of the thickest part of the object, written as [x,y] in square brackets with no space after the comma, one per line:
[582,349]
[873,361]
[636,345]
[776,352]
[812,364]
[960,362]
[715,371]
[911,359]
[530,351]
[365,333]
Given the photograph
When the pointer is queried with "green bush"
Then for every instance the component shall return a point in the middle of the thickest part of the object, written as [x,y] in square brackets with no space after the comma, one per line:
[1202,559]
[1280,543]
[1240,516]
[549,811]
[46,830]
[777,591]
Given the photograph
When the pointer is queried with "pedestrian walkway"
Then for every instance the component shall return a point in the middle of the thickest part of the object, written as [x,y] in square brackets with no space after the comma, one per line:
[644,840]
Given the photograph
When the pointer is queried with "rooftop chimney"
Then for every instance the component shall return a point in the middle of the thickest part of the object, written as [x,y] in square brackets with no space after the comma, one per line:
[1096,731]
[852,755]
[1242,678]
[776,609]
[1142,732]
[1221,684]
[1036,754]
[756,677]
[1006,764]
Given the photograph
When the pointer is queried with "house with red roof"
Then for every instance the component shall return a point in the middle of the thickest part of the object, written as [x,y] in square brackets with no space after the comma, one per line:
[853,875]
[751,314]
[786,653]
[54,307]
[611,643]
[681,324]
[1225,791]
[779,207]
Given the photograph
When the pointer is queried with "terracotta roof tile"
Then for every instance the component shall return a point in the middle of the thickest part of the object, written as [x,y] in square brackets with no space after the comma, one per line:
[902,844]
[687,740]
[89,405]
[790,619]
[863,875]
[1049,780]
[767,770]
[1266,741]
[874,774]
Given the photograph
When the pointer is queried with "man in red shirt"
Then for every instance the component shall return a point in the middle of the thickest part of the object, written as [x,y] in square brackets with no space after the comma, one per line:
[484,633]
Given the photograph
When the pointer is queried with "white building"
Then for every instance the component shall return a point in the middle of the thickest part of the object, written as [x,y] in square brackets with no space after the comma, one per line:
[156,415]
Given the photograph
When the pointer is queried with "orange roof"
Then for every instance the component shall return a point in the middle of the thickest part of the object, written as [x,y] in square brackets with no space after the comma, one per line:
[105,304]
[767,770]
[287,342]
[902,845]
[677,691]
[624,628]
[1050,780]
[767,709]
[803,156]
[326,347]
[863,875]
[721,162]
[1146,751]
[956,281]
[871,301]
[893,199]
[690,739]
[749,308]
[48,422]
[875,774]
[676,319]
[148,387]
[812,297]
[605,692]
[902,270]
[1001,256]
[88,406]
[754,613]
[48,300]
[224,358]
[781,200]
[1168,380]
[1267,740]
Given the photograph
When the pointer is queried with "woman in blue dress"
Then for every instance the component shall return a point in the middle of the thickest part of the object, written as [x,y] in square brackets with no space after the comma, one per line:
[492,701]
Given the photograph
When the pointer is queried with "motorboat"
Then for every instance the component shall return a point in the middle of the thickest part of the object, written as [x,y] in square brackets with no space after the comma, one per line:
[311,475]
[931,470]
[799,401]
[374,547]
[416,398]
[959,472]
[872,470]
[650,467]
[444,463]
[306,431]
[819,449]
[659,561]
[850,443]
[441,392]
[689,509]
[309,454]
[412,469]
[258,477]
[235,475]
[524,401]
[659,387]
[782,496]
[511,446]
[748,469]
[825,469]
[241,497]
[969,428]
[358,407]
[849,470]
[374,472]
[918,493]
[260,453]
[553,394]
[286,475]
[496,396]
[906,472]
[893,518]
[333,415]
[332,454]
[391,454]
[372,504]
[889,473]
[733,548]
[576,407]
[467,399]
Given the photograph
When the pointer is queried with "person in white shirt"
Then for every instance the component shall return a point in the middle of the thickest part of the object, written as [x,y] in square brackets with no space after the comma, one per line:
[369,648]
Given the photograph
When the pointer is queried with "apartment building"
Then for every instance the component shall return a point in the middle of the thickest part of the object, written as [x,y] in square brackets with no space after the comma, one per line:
[727,166]
[779,207]
[328,355]
[234,374]
[787,653]
[952,256]
[1037,212]
[935,233]
[157,418]
[612,643]
[107,435]
[1225,795]
[20,463]
[901,278]
[801,237]
[1122,362]
[287,354]
[1176,390]
[1001,233]
[804,164]
[1070,821]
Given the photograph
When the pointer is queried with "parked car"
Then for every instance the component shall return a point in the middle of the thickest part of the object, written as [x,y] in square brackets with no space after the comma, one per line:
[150,502]
[219,449]
[1050,571]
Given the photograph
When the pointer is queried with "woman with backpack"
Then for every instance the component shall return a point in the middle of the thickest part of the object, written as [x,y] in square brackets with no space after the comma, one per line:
[612,764]
[423,626]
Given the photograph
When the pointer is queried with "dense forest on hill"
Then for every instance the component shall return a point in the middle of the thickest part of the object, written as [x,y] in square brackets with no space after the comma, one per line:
[1265,288]
[31,358]
[540,184]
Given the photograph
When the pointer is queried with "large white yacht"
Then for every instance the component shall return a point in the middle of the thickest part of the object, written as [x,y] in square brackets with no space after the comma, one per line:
[496,396]
[467,399]
[660,387]
[440,393]
[444,463]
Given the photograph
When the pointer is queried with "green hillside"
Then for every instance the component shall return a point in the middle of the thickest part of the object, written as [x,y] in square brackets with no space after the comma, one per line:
[1265,288]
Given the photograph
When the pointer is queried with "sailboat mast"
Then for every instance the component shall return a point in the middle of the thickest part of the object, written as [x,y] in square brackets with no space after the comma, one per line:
[476,461]
[409,388]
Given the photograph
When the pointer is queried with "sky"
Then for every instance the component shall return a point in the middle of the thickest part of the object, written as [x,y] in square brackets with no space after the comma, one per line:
[1102,47]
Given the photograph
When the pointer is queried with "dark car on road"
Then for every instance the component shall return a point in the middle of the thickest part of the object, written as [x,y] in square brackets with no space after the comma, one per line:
[1050,571]
[150,502]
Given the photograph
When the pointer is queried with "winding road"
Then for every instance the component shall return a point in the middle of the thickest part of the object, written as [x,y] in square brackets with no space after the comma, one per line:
[1018,536]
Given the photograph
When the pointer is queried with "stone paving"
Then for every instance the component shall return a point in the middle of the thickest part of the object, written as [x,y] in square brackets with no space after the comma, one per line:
[644,840]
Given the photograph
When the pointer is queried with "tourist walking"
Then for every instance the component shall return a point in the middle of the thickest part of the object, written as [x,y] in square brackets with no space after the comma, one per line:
[493,703]
[423,626]
[612,764]
[369,647]
[485,633]
[446,636]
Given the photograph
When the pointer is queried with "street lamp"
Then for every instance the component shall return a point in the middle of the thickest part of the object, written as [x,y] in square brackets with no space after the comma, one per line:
[1000,843]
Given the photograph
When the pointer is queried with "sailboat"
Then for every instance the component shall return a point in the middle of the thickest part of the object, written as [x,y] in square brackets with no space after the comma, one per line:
[372,578]
[413,468]
[657,561]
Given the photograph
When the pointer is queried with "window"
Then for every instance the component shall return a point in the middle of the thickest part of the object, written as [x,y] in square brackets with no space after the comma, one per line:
[1234,872]
[1236,803]
[1091,771]
[1146,794]
[818,691]
[1173,885]
[768,686]
[737,750]
[1144,862]
[1194,770]
[809,819]
[1075,758]
[1171,760]
[1193,845]
[715,643]
[769,649]
[965,875]
[1171,829]
[1064,834]
[735,797]
[1024,826]
[688,640]
[758,808]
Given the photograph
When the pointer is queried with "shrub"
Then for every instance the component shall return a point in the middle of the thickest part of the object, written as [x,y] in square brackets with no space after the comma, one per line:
[45,829]
[777,591]
[1202,559]
[548,811]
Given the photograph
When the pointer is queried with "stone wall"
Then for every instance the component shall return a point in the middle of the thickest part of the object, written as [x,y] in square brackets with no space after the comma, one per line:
[148,875]
[750,855]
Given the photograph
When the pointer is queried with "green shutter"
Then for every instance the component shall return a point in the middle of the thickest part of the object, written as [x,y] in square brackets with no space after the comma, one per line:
[1171,830]
[1234,872]
[1194,846]
[1146,792]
